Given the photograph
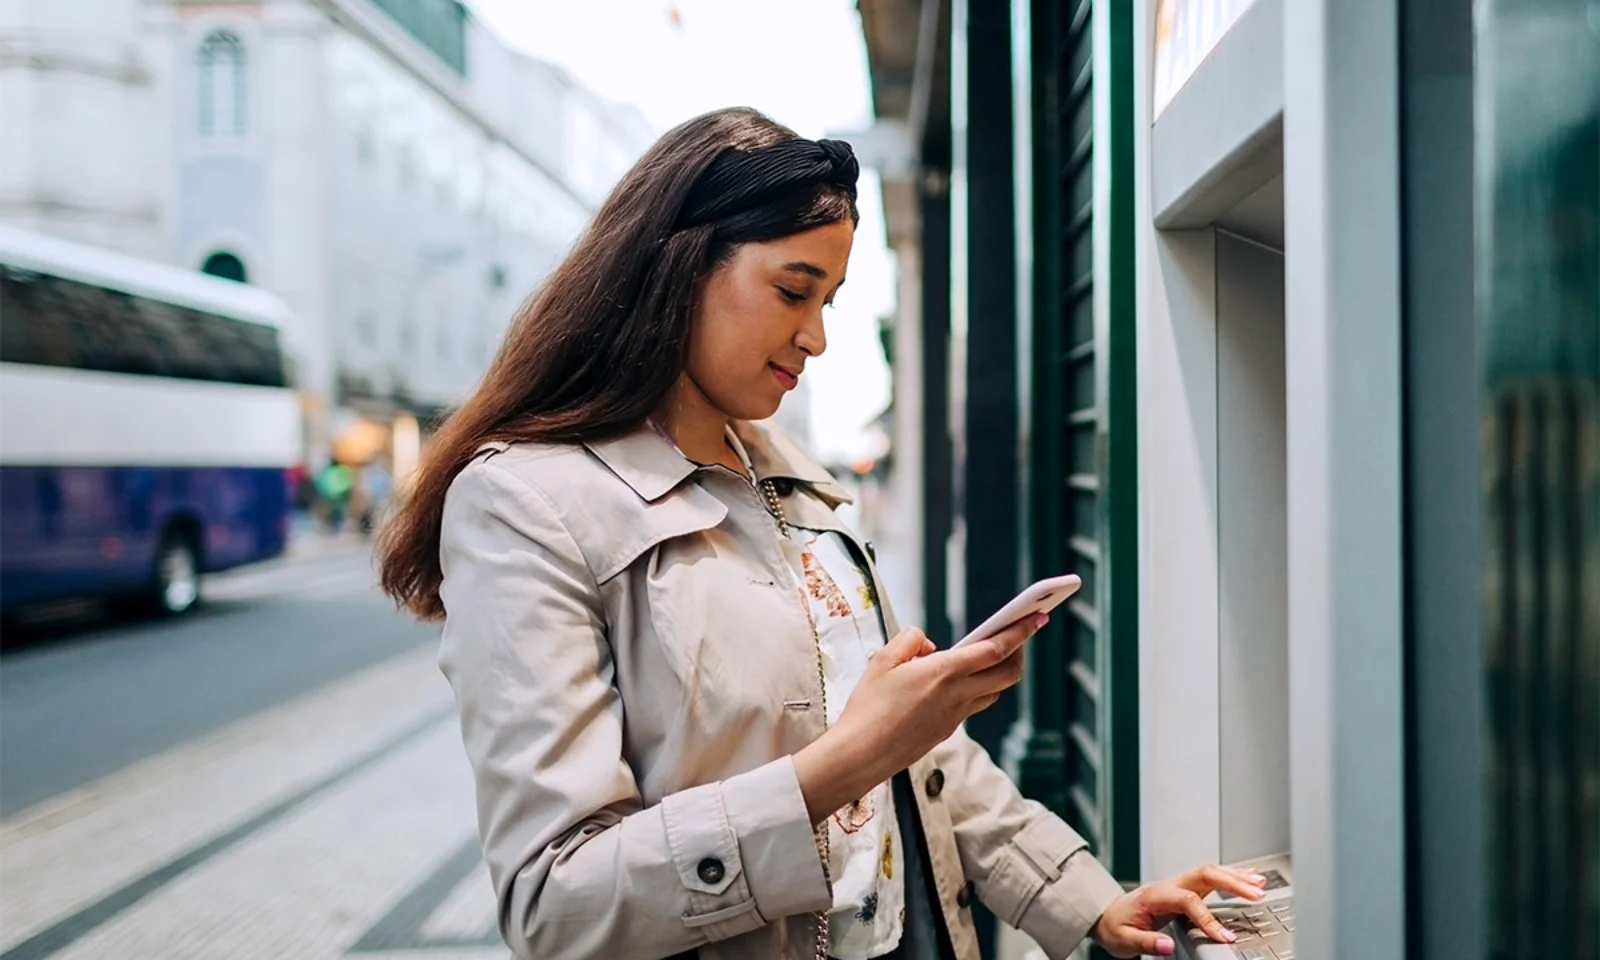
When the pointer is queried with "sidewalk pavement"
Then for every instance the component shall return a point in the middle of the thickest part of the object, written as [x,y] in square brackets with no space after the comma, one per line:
[307,539]
[337,825]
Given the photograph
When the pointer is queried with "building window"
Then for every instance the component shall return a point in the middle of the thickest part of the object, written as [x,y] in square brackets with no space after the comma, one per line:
[221,86]
[227,266]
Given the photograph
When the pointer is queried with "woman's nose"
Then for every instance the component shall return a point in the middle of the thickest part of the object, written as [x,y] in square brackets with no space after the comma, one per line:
[811,338]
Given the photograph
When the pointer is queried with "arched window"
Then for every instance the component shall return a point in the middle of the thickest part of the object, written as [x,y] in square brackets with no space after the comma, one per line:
[221,85]
[225,265]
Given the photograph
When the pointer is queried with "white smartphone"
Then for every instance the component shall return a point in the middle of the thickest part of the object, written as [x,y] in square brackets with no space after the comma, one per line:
[1042,597]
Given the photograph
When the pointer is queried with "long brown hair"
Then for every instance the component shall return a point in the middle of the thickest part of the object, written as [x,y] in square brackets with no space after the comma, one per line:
[595,351]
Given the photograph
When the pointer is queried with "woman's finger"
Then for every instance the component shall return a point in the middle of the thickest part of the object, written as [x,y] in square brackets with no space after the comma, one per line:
[1206,879]
[903,647]
[1249,876]
[1166,900]
[1133,942]
[1217,876]
[992,650]
[998,678]
[1014,636]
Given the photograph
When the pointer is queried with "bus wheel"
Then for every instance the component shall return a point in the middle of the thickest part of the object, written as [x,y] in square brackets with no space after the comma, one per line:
[177,575]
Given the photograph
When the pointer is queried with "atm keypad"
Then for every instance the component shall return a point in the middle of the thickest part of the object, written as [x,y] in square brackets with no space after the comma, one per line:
[1265,931]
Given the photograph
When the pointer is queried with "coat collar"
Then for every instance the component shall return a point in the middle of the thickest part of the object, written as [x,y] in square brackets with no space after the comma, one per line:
[645,461]
[650,464]
[776,455]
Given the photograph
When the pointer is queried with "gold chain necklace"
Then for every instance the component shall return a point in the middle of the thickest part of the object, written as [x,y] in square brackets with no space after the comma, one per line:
[769,490]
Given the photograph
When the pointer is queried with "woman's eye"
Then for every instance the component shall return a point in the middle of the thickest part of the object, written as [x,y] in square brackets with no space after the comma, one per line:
[791,296]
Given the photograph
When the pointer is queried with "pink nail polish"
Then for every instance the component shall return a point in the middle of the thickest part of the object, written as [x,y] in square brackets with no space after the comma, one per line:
[1229,936]
[1164,947]
[1041,620]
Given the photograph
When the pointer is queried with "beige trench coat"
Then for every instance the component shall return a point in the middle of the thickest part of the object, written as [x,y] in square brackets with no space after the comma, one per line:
[634,671]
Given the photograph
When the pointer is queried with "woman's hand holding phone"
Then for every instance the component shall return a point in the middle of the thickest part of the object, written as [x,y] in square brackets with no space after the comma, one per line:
[912,697]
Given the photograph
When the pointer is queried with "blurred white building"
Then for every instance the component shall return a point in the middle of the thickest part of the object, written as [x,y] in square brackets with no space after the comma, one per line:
[389,166]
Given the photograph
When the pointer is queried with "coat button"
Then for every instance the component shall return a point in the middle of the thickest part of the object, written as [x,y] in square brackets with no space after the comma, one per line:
[710,870]
[935,783]
[964,898]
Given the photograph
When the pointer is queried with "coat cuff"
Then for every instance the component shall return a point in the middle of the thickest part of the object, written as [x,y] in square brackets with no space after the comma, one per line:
[1048,885]
[745,851]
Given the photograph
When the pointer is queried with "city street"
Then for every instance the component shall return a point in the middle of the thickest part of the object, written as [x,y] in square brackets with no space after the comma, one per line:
[278,775]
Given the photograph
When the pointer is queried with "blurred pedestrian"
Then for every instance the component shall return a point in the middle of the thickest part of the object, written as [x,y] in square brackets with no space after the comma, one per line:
[694,722]
[335,485]
[299,481]
[375,489]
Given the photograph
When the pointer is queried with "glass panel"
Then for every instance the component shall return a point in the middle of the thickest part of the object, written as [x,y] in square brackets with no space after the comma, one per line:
[1080,259]
[1082,448]
[1080,316]
[220,85]
[1080,49]
[1080,190]
[1080,122]
[1084,712]
[1085,596]
[1081,395]
[1538,270]
[1084,515]
[1085,646]
[1084,775]
[439,25]
[204,122]
[52,321]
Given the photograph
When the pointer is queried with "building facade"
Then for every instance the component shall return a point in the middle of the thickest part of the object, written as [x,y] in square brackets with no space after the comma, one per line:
[1278,321]
[396,172]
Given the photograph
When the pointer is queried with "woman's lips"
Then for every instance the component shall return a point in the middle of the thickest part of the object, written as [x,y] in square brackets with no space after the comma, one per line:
[789,380]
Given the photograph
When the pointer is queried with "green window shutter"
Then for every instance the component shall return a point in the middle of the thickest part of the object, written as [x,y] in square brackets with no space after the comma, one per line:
[1082,759]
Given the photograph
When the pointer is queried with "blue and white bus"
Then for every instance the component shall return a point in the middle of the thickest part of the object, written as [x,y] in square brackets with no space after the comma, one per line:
[147,426]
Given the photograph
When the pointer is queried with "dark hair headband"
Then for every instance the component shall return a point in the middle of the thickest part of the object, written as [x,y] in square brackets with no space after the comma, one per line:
[739,180]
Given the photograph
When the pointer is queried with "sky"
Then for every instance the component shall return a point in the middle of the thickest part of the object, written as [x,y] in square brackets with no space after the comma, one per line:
[802,62]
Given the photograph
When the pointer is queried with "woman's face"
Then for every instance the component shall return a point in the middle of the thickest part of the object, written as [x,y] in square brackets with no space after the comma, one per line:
[759,319]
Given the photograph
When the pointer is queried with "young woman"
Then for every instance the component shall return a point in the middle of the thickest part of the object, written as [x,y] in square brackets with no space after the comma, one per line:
[694,722]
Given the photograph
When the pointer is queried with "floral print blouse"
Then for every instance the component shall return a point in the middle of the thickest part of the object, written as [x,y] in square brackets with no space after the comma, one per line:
[866,859]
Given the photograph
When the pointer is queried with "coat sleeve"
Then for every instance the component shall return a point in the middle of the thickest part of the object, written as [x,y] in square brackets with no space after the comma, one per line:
[580,866]
[1030,868]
